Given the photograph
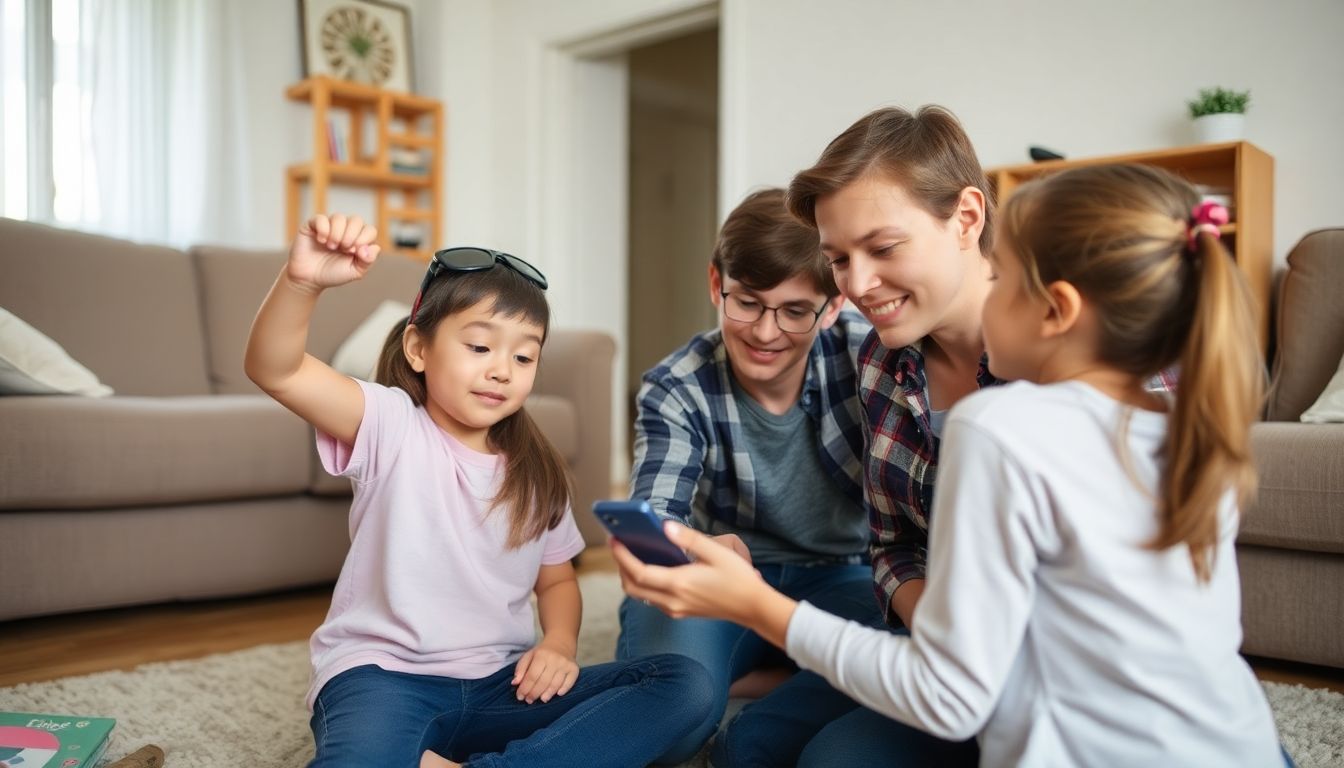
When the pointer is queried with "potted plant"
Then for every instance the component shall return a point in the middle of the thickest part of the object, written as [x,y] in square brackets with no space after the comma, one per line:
[1219,114]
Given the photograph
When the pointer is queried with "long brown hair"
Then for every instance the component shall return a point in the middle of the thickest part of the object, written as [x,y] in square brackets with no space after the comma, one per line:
[537,486]
[1121,234]
[927,152]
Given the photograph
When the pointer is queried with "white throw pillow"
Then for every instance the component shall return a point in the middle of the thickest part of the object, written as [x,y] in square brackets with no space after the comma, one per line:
[358,354]
[1330,405]
[32,364]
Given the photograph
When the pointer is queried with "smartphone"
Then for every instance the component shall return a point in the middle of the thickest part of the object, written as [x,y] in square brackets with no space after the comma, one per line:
[635,525]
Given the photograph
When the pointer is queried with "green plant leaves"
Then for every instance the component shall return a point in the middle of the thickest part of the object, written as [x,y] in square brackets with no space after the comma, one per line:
[1218,100]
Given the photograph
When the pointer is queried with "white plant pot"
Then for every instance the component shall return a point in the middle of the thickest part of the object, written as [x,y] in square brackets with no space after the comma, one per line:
[1227,126]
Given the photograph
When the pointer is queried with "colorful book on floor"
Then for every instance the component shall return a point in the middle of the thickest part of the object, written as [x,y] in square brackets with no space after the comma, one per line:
[29,740]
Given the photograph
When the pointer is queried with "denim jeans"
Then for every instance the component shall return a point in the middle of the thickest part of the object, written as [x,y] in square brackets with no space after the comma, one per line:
[864,738]
[368,716]
[774,729]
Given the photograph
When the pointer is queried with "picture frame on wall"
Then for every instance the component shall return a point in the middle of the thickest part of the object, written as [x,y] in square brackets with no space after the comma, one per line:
[363,41]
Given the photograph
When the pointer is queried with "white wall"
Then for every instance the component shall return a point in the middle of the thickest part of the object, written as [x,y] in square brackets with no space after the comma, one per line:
[548,181]
[277,131]
[1084,78]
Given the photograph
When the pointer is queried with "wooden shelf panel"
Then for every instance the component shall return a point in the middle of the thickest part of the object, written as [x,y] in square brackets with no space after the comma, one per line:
[369,176]
[1245,170]
[346,94]
[414,140]
[396,120]
[410,214]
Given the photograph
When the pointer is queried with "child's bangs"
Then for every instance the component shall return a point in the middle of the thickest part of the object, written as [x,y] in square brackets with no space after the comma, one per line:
[509,294]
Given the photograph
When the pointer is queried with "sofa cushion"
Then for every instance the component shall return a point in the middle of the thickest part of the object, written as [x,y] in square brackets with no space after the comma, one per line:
[556,417]
[32,364]
[53,561]
[1329,407]
[358,355]
[1310,320]
[234,282]
[121,451]
[558,420]
[1300,504]
[128,312]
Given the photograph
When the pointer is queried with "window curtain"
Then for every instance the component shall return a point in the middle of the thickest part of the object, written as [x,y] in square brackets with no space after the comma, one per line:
[166,126]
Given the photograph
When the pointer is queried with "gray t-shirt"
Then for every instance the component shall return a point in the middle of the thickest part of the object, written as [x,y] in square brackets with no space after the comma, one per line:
[936,420]
[801,516]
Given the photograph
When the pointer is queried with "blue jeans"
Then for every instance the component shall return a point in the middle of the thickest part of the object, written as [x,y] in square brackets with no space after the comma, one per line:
[369,716]
[865,738]
[774,729]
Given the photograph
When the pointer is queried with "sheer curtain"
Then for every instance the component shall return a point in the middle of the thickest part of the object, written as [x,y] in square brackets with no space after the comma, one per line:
[165,129]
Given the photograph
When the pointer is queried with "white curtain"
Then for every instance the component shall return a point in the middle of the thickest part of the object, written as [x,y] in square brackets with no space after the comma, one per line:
[166,125]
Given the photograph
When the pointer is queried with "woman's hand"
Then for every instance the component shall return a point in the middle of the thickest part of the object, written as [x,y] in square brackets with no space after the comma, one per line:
[720,584]
[545,671]
[330,251]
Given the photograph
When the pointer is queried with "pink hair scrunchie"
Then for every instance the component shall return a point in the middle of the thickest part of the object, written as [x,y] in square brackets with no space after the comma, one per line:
[1208,216]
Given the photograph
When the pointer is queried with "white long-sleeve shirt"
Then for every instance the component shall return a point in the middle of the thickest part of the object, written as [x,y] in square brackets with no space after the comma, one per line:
[1046,625]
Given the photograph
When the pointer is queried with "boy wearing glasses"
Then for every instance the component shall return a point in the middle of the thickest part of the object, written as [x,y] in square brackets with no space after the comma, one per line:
[752,432]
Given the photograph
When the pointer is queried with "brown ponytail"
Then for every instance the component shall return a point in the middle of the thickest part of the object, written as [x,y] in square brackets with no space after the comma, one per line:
[1120,234]
[537,487]
[1221,390]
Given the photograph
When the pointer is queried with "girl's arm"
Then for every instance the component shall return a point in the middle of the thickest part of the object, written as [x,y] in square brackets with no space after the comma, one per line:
[720,584]
[328,251]
[948,676]
[549,668]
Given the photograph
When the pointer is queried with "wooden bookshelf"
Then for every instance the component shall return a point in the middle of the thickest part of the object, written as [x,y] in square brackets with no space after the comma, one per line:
[398,120]
[1242,168]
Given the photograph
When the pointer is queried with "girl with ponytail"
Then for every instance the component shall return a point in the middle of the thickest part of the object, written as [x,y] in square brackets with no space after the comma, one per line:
[1082,602]
[428,656]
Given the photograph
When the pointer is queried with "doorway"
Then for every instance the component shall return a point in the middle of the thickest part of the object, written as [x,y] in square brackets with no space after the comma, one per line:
[673,197]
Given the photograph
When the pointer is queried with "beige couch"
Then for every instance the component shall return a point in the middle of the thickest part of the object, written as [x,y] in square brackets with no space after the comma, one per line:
[189,483]
[1291,548]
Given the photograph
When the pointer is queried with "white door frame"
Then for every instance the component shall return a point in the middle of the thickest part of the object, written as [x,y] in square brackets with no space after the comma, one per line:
[580,181]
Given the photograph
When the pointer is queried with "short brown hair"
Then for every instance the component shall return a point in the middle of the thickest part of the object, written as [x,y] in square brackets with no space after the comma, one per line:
[761,246]
[927,152]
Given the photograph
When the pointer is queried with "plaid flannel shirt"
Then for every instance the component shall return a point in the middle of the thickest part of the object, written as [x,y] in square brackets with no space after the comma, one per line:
[690,461]
[901,460]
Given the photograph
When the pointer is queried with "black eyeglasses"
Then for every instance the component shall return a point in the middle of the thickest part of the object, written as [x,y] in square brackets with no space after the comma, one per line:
[473,260]
[791,318]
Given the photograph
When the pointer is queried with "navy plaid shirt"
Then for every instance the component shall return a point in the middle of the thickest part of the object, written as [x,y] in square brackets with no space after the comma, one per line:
[690,461]
[901,462]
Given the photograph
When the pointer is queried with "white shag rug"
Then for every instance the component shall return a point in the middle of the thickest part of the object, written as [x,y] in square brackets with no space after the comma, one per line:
[246,708]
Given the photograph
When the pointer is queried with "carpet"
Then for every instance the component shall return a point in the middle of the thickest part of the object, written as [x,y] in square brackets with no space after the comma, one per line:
[246,708]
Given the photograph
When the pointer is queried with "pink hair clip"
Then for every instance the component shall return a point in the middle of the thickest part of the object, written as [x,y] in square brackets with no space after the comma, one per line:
[1208,216]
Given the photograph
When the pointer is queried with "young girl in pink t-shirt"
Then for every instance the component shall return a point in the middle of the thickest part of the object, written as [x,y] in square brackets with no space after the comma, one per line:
[461,512]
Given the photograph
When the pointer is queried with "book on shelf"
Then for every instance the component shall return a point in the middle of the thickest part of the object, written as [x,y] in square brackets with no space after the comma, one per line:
[338,141]
[333,151]
[32,740]
[405,235]
[408,161]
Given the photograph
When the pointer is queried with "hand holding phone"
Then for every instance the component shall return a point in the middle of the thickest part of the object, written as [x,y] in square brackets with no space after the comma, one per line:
[635,525]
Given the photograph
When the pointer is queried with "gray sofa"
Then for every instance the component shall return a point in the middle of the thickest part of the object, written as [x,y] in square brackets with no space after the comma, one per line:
[1291,547]
[188,482]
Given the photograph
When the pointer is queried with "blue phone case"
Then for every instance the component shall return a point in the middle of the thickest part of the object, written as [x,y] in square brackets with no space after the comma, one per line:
[635,525]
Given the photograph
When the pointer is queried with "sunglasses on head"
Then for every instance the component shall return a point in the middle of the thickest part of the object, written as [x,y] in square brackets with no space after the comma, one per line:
[473,260]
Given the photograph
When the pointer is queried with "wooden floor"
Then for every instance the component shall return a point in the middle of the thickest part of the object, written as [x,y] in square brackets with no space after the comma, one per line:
[59,646]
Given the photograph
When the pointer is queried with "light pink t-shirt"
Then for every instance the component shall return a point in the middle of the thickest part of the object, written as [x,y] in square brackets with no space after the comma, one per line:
[428,586]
